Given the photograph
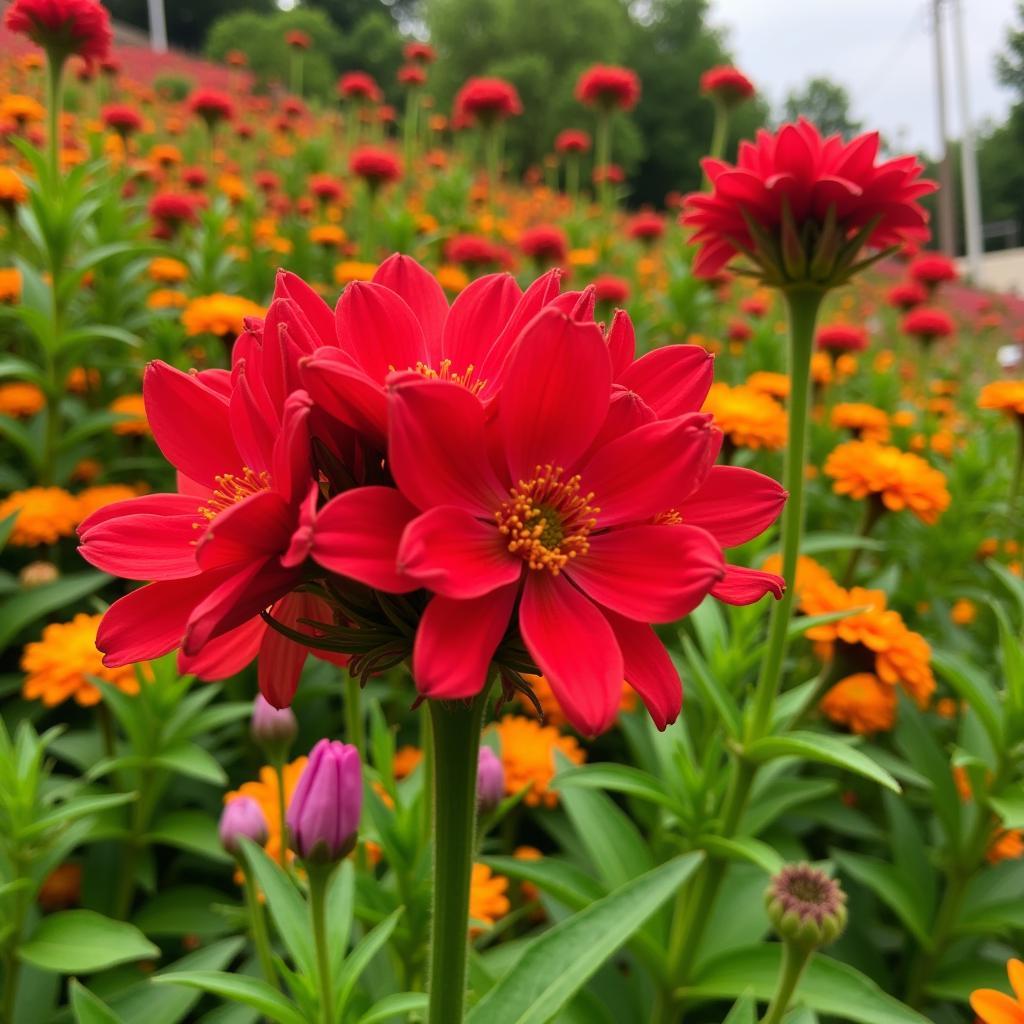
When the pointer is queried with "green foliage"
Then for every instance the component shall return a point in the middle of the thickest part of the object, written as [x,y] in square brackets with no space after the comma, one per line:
[187,23]
[824,102]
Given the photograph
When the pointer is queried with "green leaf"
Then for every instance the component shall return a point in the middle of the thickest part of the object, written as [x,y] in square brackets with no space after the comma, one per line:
[238,988]
[821,747]
[712,693]
[973,686]
[743,1012]
[287,908]
[400,1004]
[33,603]
[1009,807]
[194,761]
[183,910]
[555,966]
[619,778]
[743,848]
[80,807]
[82,941]
[827,986]
[189,830]
[11,366]
[560,880]
[89,1008]
[358,960]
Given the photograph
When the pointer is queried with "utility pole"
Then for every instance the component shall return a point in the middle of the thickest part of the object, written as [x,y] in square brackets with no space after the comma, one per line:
[157,26]
[947,211]
[968,155]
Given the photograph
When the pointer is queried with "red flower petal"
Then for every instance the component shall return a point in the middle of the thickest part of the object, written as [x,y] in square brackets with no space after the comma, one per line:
[421,292]
[648,669]
[745,586]
[734,504]
[378,330]
[672,380]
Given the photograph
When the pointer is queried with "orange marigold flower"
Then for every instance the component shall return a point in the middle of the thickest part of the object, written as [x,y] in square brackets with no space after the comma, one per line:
[10,285]
[748,418]
[963,612]
[528,757]
[451,278]
[21,109]
[1007,844]
[406,760]
[264,791]
[552,710]
[58,665]
[45,514]
[900,479]
[330,236]
[821,368]
[994,1007]
[20,400]
[13,191]
[134,407]
[80,380]
[165,270]
[93,498]
[861,702]
[167,298]
[352,270]
[866,421]
[221,315]
[811,576]
[774,384]
[487,898]
[1004,395]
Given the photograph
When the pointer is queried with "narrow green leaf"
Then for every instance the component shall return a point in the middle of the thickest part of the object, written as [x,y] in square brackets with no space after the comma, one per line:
[821,747]
[239,988]
[82,941]
[88,1008]
[619,778]
[400,1005]
[34,603]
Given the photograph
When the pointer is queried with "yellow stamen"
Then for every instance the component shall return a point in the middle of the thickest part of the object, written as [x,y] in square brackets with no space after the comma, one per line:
[231,490]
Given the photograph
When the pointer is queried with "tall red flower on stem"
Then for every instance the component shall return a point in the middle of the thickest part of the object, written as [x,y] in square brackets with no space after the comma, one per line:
[801,208]
[608,86]
[358,85]
[64,28]
[487,100]
[727,85]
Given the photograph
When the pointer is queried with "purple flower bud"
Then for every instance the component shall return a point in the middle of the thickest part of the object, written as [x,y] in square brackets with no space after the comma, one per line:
[242,818]
[490,780]
[273,729]
[323,817]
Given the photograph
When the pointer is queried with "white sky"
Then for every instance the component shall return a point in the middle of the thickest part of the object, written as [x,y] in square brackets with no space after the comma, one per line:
[882,52]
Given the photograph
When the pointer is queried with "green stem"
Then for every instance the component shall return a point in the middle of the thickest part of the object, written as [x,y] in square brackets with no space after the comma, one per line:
[925,962]
[319,877]
[803,305]
[282,811]
[54,105]
[794,959]
[572,177]
[12,965]
[258,925]
[1017,489]
[873,510]
[354,716]
[720,131]
[492,150]
[603,155]
[456,728]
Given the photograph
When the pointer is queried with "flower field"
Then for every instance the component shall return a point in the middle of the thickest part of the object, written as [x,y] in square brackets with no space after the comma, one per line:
[434,593]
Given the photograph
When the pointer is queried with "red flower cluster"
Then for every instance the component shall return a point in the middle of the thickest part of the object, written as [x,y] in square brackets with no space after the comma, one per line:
[64,28]
[572,140]
[407,447]
[932,269]
[545,243]
[608,86]
[645,226]
[212,106]
[412,74]
[375,166]
[487,100]
[121,118]
[473,251]
[297,39]
[907,295]
[420,53]
[927,324]
[169,211]
[801,207]
[611,289]
[726,84]
[325,188]
[358,85]
[841,338]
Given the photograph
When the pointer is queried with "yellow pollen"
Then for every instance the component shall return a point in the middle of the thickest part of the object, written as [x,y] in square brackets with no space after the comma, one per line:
[231,490]
[670,517]
[444,372]
[547,520]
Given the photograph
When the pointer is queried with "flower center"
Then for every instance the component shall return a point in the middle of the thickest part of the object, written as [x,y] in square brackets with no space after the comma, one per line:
[547,520]
[445,372]
[232,489]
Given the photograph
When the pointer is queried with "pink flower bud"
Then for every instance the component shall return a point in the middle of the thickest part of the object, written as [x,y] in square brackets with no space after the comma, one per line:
[490,780]
[242,818]
[323,817]
[273,729]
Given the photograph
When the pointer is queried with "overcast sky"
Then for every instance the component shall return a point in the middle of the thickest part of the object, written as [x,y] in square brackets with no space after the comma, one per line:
[880,50]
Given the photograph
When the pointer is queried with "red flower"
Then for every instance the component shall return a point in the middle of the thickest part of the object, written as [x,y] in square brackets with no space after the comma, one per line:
[610,289]
[645,226]
[907,295]
[297,39]
[412,74]
[195,178]
[572,141]
[487,100]
[544,243]
[121,118]
[212,106]
[841,338]
[554,515]
[739,331]
[358,85]
[608,86]
[267,181]
[375,166]
[755,306]
[802,207]
[613,173]
[325,188]
[926,323]
[473,251]
[170,210]
[63,27]
[726,84]
[932,269]
[422,53]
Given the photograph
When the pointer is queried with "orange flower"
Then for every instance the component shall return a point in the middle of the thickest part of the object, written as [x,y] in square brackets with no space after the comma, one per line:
[900,479]
[166,298]
[994,1007]
[1007,844]
[62,887]
[135,407]
[528,757]
[552,710]
[10,285]
[93,498]
[265,792]
[451,278]
[1005,395]
[45,514]
[19,400]
[963,612]
[80,380]
[811,576]
[165,270]
[58,665]
[406,760]
[487,898]
[862,702]
[221,315]
[330,236]
[774,384]
[352,270]
[869,423]
[13,191]
[22,109]
[748,418]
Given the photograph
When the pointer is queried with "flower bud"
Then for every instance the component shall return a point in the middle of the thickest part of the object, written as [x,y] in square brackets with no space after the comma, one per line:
[273,729]
[323,817]
[490,780]
[806,906]
[242,818]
